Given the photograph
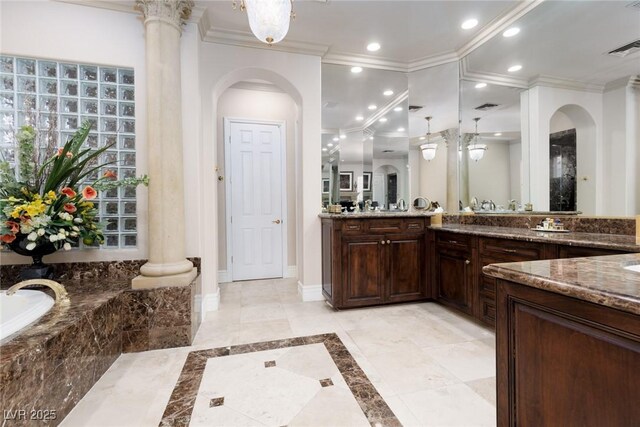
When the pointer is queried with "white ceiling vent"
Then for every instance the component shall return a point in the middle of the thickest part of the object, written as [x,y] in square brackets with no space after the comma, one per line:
[626,49]
[634,5]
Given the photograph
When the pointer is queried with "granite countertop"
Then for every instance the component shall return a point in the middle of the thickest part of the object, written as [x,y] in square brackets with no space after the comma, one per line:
[601,280]
[378,214]
[619,242]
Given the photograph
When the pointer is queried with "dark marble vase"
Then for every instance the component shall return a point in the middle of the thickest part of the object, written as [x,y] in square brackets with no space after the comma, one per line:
[38,269]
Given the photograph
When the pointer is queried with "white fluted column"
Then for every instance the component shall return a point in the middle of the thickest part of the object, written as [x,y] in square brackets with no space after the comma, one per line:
[167,265]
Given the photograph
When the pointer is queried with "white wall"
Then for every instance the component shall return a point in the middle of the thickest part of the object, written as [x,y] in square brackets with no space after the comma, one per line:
[60,31]
[515,170]
[258,105]
[490,177]
[298,75]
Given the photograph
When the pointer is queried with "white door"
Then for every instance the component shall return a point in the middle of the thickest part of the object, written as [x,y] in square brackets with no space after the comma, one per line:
[256,200]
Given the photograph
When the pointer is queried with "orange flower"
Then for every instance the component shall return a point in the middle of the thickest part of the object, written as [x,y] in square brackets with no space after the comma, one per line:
[89,193]
[13,226]
[110,174]
[69,154]
[70,207]
[8,238]
[68,191]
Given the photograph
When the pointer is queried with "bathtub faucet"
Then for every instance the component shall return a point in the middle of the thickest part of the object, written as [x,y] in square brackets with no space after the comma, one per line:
[58,289]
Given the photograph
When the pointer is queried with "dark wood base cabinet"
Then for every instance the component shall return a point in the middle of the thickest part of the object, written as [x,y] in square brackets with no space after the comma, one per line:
[374,261]
[565,362]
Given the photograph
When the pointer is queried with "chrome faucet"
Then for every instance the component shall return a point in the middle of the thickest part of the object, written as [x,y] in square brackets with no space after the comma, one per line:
[58,289]
[513,205]
[488,205]
[367,205]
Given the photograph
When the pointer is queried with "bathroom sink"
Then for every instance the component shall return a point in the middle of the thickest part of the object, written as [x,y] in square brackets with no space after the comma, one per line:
[635,268]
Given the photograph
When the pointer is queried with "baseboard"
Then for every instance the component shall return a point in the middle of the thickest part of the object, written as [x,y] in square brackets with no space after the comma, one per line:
[292,271]
[211,302]
[224,276]
[310,292]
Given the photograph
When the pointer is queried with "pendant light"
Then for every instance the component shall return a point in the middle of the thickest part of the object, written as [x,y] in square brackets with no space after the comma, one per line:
[268,19]
[428,149]
[476,150]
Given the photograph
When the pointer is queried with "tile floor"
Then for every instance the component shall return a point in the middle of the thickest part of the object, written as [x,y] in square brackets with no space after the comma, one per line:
[431,365]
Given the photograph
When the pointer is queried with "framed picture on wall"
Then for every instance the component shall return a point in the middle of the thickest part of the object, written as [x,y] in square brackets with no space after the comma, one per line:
[366,181]
[346,181]
[325,186]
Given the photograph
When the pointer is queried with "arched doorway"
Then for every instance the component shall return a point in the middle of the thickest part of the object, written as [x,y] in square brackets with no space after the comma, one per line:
[572,158]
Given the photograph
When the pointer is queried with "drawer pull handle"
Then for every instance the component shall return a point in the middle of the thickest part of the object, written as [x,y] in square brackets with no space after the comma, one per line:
[467,262]
[388,242]
[382,241]
[511,251]
[454,242]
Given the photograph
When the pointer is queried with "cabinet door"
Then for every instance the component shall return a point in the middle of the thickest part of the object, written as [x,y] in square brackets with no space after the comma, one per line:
[579,251]
[363,270]
[454,279]
[406,276]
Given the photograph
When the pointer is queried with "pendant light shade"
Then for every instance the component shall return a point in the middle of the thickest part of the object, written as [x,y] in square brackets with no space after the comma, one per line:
[476,150]
[428,149]
[269,19]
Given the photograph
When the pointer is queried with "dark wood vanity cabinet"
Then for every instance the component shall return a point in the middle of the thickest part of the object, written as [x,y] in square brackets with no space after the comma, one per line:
[453,271]
[374,261]
[562,361]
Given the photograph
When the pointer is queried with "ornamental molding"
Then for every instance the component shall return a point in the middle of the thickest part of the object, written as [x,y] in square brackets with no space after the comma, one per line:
[174,12]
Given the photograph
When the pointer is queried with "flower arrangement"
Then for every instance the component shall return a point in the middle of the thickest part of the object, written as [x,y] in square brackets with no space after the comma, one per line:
[46,201]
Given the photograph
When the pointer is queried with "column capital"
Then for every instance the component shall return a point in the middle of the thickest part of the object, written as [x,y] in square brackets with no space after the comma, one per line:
[174,12]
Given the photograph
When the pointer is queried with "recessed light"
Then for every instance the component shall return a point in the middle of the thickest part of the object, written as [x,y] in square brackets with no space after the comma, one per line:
[469,24]
[356,70]
[397,109]
[330,145]
[497,134]
[372,107]
[324,149]
[371,138]
[514,68]
[387,92]
[373,47]
[511,32]
[383,120]
[422,138]
[336,139]
[343,136]
[342,160]
[359,118]
[481,85]
[400,129]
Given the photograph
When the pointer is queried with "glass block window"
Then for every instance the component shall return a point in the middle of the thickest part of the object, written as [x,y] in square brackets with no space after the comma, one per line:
[74,93]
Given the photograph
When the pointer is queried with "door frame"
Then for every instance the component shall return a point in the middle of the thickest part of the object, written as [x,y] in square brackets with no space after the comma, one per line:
[226,138]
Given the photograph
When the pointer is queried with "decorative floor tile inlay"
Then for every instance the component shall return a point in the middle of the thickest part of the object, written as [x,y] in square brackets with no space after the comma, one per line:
[216,401]
[326,382]
[307,375]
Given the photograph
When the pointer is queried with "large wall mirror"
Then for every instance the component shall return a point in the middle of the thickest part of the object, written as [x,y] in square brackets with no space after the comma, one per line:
[365,138]
[567,71]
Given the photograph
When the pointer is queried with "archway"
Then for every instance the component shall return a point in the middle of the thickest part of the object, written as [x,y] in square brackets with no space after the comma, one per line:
[561,123]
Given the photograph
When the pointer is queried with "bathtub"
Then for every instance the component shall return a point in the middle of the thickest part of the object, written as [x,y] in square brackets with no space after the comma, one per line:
[21,309]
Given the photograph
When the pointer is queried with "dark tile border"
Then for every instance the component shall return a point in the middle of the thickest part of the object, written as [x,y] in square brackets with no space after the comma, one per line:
[180,407]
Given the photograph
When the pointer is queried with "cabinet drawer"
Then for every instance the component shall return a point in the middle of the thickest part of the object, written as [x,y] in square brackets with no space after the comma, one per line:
[453,241]
[381,226]
[414,225]
[353,226]
[511,250]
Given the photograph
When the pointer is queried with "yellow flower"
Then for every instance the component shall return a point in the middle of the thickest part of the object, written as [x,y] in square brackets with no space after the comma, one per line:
[86,204]
[13,199]
[51,195]
[16,212]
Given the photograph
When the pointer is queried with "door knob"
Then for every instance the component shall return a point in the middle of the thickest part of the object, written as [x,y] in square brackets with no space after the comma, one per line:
[276,221]
[382,242]
[467,262]
[388,242]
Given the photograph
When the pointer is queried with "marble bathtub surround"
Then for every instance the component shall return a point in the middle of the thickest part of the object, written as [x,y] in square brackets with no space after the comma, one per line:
[580,224]
[195,382]
[621,242]
[600,280]
[54,362]
[167,265]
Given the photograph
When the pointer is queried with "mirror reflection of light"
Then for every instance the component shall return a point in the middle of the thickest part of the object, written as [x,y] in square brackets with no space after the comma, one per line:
[397,109]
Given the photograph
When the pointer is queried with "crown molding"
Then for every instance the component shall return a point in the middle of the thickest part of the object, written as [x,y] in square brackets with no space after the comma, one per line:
[364,61]
[498,25]
[630,82]
[247,39]
[559,83]
[491,78]
[197,13]
[384,110]
[433,61]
